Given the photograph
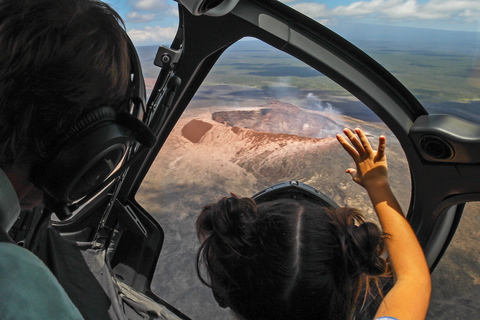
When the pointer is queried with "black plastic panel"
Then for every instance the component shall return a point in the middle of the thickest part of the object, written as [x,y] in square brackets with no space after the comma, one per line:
[445,138]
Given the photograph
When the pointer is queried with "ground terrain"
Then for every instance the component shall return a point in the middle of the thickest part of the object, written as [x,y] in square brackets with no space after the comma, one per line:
[262,117]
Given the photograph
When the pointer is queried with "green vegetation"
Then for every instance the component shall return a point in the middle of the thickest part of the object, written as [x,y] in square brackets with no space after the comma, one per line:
[433,73]
[431,76]
[268,68]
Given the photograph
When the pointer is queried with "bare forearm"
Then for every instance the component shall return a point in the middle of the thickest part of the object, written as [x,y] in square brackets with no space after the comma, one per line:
[405,253]
[409,297]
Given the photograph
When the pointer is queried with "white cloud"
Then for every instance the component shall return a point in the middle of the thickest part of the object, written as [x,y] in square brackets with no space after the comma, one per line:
[134,16]
[396,9]
[149,4]
[150,12]
[463,8]
[142,11]
[152,35]
[362,8]
[471,15]
[171,11]
[313,10]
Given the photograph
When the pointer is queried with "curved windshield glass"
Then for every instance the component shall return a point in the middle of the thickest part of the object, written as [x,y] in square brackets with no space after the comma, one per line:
[431,46]
[456,279]
[261,117]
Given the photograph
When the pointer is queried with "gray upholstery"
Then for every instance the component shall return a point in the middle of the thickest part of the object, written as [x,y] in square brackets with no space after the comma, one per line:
[9,205]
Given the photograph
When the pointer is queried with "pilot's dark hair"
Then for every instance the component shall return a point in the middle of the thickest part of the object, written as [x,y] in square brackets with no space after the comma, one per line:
[57,59]
[287,259]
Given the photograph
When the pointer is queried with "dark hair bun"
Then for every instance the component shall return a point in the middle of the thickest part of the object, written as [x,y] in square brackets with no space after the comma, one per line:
[362,244]
[367,248]
[232,220]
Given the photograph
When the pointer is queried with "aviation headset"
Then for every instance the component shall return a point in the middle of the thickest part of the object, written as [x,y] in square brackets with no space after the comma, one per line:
[294,190]
[93,148]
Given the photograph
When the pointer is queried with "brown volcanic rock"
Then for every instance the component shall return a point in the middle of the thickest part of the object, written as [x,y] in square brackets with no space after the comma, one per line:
[217,158]
[280,117]
[242,118]
[195,130]
[276,156]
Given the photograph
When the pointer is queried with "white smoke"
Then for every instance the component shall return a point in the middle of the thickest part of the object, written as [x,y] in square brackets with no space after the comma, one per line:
[314,101]
[327,129]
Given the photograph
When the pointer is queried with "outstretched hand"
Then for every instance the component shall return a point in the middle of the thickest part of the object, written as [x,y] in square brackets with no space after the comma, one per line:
[371,166]
[409,297]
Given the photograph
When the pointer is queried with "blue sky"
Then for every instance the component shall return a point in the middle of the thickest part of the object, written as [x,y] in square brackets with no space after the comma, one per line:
[154,22]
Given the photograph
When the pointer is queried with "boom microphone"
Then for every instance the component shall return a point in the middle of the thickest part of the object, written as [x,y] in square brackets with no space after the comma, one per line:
[140,131]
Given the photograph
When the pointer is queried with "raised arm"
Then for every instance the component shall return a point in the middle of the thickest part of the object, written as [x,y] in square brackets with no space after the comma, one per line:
[410,295]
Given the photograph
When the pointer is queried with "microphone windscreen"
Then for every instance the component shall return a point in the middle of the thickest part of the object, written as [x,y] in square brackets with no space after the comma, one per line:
[140,131]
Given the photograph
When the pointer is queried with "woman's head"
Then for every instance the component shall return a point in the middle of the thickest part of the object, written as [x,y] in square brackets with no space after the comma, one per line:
[286,258]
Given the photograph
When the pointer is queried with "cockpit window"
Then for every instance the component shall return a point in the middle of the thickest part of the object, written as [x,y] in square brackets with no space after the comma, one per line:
[432,48]
[261,117]
[458,274]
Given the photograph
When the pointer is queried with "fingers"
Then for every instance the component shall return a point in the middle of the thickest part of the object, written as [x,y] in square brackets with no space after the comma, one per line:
[352,172]
[356,143]
[350,150]
[360,144]
[366,159]
[364,141]
[360,147]
[381,148]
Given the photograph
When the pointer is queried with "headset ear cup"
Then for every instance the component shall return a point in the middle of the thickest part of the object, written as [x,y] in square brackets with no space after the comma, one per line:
[87,154]
[98,114]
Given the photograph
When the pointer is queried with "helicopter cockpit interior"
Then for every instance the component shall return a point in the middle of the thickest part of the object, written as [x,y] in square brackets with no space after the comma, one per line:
[249,94]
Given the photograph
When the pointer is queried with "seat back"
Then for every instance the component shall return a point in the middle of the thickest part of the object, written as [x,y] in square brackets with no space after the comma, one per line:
[9,205]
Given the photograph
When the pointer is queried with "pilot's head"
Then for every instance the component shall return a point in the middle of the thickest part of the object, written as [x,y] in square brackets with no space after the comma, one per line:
[58,58]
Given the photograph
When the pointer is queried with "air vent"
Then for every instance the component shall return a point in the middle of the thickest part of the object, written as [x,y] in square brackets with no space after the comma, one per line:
[214,8]
[209,4]
[436,148]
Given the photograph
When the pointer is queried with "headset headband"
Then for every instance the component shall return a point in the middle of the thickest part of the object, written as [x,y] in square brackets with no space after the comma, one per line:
[294,190]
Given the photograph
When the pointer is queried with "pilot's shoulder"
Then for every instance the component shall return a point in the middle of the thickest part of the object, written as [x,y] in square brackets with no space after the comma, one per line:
[28,290]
